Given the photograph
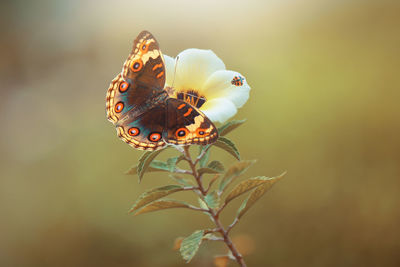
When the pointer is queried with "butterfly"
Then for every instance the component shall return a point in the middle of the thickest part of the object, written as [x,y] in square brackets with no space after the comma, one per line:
[144,114]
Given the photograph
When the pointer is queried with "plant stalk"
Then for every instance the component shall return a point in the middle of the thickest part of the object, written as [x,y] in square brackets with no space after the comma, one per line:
[202,192]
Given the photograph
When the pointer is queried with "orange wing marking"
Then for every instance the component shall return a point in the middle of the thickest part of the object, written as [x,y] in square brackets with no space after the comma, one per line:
[188,112]
[160,74]
[157,66]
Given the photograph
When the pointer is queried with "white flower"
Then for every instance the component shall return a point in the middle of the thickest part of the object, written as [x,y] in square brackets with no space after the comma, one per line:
[199,77]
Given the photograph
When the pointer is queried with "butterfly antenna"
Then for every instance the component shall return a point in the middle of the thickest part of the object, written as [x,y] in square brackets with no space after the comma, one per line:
[176,64]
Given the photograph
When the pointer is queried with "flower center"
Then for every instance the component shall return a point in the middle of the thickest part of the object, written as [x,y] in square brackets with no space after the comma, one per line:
[192,97]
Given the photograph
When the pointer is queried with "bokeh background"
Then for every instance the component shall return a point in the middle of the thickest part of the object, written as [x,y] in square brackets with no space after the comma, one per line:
[323,106]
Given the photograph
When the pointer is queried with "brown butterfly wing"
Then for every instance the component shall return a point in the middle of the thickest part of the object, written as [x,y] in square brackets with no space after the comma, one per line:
[145,64]
[144,132]
[142,79]
[135,95]
[143,114]
[186,125]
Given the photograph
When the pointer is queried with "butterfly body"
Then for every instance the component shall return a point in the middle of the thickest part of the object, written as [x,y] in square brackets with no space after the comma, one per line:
[145,116]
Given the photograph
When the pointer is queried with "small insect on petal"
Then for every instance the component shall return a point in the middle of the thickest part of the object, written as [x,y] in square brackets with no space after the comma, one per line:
[237,81]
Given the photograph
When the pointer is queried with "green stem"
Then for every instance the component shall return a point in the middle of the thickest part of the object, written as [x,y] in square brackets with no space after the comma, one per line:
[202,192]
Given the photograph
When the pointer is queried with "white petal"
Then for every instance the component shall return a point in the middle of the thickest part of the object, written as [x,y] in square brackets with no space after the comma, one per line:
[219,85]
[194,66]
[169,68]
[219,109]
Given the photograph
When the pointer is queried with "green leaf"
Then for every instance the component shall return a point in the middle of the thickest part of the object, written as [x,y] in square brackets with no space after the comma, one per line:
[171,162]
[216,165]
[145,161]
[215,178]
[191,244]
[180,179]
[229,126]
[255,195]
[163,204]
[210,237]
[155,194]
[160,165]
[202,204]
[228,146]
[203,161]
[155,166]
[212,200]
[234,171]
[213,167]
[249,184]
[142,159]
[133,170]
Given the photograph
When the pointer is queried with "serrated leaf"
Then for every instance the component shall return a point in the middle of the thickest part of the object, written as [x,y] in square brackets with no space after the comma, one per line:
[213,180]
[160,165]
[229,126]
[145,161]
[212,200]
[155,166]
[155,194]
[255,195]
[191,244]
[202,204]
[228,146]
[213,167]
[142,159]
[171,163]
[133,170]
[249,184]
[210,236]
[180,179]
[216,165]
[162,205]
[203,161]
[234,171]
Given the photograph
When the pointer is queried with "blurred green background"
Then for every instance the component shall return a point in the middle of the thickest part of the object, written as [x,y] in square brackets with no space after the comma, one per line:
[323,106]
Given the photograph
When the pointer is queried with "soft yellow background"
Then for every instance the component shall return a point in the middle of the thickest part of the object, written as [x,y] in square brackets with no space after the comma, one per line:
[323,106]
